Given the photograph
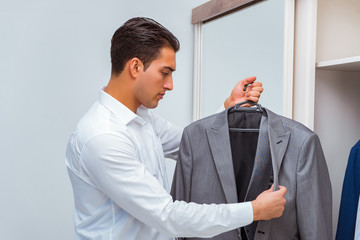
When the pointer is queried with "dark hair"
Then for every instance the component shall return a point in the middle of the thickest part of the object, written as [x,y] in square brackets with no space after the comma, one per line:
[142,38]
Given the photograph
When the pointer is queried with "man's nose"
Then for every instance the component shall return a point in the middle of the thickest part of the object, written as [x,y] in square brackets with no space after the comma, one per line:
[168,85]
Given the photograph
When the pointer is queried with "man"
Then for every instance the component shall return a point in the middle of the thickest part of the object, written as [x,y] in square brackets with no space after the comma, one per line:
[115,157]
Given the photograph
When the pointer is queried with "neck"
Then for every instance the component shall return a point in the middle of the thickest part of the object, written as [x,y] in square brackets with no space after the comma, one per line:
[120,88]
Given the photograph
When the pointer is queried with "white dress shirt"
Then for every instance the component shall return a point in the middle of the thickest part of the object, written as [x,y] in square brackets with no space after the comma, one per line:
[115,160]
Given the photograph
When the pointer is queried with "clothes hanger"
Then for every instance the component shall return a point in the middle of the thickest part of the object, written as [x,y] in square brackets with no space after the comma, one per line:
[237,108]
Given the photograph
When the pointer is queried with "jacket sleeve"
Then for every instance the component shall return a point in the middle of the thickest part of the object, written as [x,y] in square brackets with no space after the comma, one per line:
[349,197]
[314,194]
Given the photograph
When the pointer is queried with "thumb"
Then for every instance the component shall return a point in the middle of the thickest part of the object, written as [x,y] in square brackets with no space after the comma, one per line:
[270,189]
[282,190]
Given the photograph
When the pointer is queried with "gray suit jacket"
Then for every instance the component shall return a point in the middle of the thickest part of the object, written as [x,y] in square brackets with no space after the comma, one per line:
[204,174]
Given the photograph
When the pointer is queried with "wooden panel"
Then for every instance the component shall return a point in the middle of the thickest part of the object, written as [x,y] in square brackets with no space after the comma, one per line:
[217,8]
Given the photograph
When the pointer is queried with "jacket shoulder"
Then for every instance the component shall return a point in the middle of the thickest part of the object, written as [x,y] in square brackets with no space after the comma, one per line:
[295,127]
[202,123]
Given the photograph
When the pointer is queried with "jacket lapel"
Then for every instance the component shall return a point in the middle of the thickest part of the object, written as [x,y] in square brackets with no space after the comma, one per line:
[279,140]
[219,140]
[271,148]
[261,174]
[261,177]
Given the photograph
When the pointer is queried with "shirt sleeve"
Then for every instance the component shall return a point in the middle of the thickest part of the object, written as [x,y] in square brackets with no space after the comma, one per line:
[118,173]
[169,134]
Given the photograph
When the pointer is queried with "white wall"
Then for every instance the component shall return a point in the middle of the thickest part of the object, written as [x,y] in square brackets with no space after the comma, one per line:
[54,58]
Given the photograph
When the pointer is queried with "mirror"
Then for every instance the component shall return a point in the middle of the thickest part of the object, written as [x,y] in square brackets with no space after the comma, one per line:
[254,40]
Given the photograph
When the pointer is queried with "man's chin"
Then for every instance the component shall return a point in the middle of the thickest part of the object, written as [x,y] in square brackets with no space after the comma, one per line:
[151,106]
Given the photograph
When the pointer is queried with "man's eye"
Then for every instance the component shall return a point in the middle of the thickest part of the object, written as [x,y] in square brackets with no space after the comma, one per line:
[165,74]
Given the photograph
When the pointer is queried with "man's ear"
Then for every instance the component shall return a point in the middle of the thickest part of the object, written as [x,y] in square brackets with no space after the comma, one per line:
[135,67]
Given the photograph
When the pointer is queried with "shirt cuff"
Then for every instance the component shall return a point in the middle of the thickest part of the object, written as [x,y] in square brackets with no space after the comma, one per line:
[242,213]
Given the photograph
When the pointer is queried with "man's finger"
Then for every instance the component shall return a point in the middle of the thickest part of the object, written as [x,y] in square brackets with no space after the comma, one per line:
[271,188]
[251,98]
[248,80]
[258,89]
[253,94]
[257,84]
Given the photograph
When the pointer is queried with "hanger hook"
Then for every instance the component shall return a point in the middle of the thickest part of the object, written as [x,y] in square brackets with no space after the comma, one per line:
[248,101]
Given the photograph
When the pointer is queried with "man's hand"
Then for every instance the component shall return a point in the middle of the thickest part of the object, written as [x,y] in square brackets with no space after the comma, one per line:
[269,204]
[238,94]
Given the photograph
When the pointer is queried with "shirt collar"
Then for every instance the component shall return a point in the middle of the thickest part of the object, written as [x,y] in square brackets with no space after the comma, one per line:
[123,113]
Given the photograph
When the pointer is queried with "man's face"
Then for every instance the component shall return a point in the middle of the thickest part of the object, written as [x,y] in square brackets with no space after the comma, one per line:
[157,79]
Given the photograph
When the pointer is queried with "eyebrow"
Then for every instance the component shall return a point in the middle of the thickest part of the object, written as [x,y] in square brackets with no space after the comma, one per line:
[171,69]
